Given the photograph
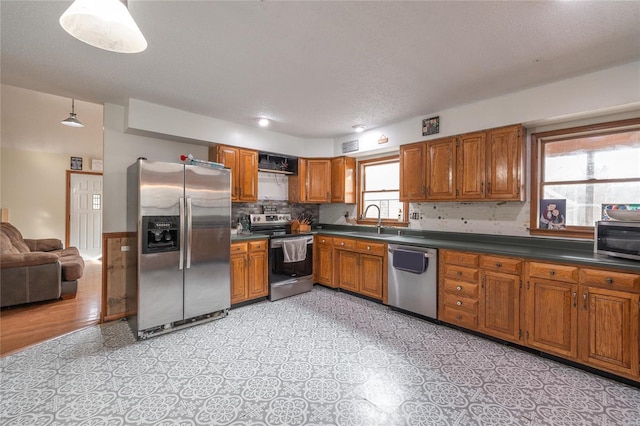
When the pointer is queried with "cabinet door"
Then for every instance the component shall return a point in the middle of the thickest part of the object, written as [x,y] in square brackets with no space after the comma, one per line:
[504,163]
[348,270]
[441,169]
[609,330]
[229,157]
[258,275]
[239,278]
[324,266]
[552,317]
[318,181]
[247,175]
[343,180]
[471,166]
[499,310]
[413,172]
[371,268]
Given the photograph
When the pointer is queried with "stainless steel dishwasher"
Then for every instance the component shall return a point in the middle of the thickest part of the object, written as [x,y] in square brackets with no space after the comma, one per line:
[413,279]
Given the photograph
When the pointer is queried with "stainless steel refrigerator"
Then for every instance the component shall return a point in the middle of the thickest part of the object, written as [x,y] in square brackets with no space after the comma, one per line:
[182,218]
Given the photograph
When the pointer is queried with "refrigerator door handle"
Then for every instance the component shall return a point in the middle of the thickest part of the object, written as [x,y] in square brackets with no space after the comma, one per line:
[181,205]
[189,232]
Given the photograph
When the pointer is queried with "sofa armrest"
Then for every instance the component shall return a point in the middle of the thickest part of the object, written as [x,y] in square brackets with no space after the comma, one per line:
[43,244]
[19,260]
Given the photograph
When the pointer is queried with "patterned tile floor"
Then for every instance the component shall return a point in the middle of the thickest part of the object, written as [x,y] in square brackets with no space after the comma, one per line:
[321,358]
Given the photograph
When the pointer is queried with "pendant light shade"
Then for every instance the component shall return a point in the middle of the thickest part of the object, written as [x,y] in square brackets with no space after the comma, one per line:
[105,24]
[72,121]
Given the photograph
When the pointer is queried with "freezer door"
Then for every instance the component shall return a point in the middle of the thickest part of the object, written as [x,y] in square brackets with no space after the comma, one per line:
[208,216]
[160,281]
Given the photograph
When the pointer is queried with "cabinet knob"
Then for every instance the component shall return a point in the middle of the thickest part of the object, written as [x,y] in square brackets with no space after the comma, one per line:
[459,303]
[459,273]
[552,272]
[459,317]
[342,243]
[609,280]
[498,265]
[459,288]
[324,241]
[368,247]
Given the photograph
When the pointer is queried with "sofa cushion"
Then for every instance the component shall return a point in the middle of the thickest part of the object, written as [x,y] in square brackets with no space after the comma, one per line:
[15,237]
[43,244]
[6,246]
[19,260]
[72,267]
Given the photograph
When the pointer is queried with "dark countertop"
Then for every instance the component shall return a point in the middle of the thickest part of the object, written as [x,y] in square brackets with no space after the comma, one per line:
[237,238]
[579,252]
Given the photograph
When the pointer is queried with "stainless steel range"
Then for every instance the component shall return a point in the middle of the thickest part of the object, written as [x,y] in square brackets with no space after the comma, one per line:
[290,255]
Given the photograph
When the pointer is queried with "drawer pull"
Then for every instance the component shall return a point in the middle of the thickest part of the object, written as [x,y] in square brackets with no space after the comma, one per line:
[459,273]
[609,280]
[342,243]
[459,303]
[459,317]
[368,247]
[552,273]
[459,288]
[498,265]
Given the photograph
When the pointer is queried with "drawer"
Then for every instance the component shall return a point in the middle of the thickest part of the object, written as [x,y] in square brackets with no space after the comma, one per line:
[461,273]
[508,265]
[554,272]
[370,248]
[461,258]
[257,245]
[455,301]
[344,243]
[608,279]
[461,318]
[325,241]
[461,288]
[238,248]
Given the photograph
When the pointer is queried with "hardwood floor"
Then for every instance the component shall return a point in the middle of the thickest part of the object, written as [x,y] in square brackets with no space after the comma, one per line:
[26,325]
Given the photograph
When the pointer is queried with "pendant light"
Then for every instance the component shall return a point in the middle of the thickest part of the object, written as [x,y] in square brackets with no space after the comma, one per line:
[106,24]
[72,121]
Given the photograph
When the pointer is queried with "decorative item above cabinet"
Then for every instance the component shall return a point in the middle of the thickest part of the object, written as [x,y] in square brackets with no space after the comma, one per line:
[277,163]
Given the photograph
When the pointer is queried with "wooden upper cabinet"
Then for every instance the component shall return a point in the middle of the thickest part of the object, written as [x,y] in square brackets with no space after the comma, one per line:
[244,170]
[441,169]
[318,180]
[343,180]
[470,179]
[505,163]
[413,172]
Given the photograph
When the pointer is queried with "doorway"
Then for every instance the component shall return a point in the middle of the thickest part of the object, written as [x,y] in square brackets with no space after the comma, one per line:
[84,213]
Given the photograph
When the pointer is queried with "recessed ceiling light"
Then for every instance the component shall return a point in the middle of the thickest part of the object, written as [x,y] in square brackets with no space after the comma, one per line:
[263,122]
[358,128]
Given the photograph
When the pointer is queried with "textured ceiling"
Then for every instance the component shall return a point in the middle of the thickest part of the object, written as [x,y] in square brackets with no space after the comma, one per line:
[317,68]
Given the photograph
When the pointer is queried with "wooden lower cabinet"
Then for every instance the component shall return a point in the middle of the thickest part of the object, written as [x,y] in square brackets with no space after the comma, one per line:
[609,330]
[360,267]
[499,305]
[552,317]
[249,271]
[323,262]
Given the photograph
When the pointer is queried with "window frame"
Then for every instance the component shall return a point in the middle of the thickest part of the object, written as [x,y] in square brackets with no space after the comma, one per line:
[362,165]
[538,141]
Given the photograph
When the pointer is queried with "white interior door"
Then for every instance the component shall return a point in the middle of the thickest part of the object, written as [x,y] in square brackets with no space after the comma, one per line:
[85,222]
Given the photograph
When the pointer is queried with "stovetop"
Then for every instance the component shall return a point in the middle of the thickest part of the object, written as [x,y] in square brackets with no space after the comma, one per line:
[274,225]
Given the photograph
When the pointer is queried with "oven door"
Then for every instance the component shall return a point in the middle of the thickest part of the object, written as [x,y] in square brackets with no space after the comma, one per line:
[281,270]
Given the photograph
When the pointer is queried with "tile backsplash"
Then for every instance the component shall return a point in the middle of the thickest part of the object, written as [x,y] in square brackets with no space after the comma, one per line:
[239,210]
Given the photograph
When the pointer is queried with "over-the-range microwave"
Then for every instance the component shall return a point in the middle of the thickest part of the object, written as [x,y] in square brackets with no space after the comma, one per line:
[616,238]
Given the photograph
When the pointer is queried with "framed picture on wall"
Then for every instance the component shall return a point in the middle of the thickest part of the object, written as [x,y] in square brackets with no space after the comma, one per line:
[76,163]
[553,213]
[430,126]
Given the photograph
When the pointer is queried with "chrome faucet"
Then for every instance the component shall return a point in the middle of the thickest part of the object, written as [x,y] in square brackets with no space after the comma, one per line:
[379,225]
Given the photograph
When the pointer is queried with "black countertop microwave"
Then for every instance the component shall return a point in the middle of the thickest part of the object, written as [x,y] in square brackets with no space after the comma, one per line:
[619,239]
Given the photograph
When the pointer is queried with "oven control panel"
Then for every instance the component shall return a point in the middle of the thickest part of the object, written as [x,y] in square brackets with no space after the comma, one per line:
[270,219]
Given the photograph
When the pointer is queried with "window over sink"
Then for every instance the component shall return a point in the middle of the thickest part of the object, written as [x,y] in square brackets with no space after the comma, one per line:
[585,168]
[379,185]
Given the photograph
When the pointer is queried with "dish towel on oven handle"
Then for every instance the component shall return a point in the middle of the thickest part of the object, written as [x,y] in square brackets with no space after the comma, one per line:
[294,249]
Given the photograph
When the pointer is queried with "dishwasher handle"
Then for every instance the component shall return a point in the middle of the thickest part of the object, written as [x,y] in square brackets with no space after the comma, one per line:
[427,255]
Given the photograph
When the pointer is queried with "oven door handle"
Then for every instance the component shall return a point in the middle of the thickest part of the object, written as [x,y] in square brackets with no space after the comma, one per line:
[277,243]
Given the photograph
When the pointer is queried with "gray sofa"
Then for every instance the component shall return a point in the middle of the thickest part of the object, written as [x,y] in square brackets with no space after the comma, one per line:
[36,270]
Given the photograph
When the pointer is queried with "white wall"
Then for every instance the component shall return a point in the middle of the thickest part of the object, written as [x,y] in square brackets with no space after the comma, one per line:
[163,122]
[120,151]
[36,151]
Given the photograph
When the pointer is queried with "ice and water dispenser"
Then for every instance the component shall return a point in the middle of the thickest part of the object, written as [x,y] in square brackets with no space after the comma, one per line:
[161,234]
